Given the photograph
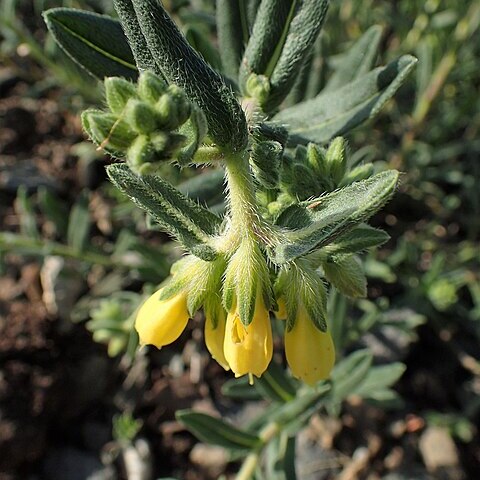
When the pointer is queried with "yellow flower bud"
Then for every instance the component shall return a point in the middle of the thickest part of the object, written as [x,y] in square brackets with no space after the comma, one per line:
[310,352]
[214,336]
[161,322]
[249,349]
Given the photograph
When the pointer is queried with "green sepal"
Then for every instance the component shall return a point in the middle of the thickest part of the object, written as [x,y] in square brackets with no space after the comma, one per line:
[141,155]
[150,87]
[357,240]
[304,184]
[317,159]
[265,159]
[302,33]
[184,67]
[357,61]
[117,93]
[140,116]
[108,131]
[205,280]
[336,112]
[214,431]
[194,130]
[333,214]
[336,159]
[346,274]
[358,173]
[143,57]
[190,223]
[304,285]
[95,42]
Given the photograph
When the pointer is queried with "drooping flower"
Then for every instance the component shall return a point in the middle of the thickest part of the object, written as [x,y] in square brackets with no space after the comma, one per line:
[249,349]
[215,319]
[160,322]
[310,353]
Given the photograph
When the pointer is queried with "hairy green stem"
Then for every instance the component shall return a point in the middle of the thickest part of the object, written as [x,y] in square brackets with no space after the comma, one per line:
[243,207]
[250,463]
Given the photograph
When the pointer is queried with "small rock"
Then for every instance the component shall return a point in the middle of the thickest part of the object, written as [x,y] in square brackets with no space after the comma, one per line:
[211,459]
[440,453]
[62,284]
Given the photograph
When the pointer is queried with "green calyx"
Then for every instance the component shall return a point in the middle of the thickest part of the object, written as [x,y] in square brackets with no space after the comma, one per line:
[147,123]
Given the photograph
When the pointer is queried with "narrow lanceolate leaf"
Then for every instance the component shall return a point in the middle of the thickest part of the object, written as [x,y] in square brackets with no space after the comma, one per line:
[96,42]
[349,374]
[275,385]
[268,35]
[302,33]
[231,26]
[336,112]
[356,240]
[142,54]
[206,187]
[190,223]
[379,378]
[214,431]
[294,414]
[335,214]
[357,61]
[181,65]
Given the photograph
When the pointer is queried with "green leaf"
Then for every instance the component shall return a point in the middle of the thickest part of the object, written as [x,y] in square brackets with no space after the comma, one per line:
[79,223]
[349,374]
[357,240]
[206,187]
[141,52]
[54,209]
[203,45]
[232,31]
[190,223]
[379,379]
[336,112]
[182,65]
[240,389]
[216,432]
[294,414]
[96,42]
[26,212]
[302,33]
[357,61]
[275,385]
[346,274]
[268,35]
[334,214]
[280,458]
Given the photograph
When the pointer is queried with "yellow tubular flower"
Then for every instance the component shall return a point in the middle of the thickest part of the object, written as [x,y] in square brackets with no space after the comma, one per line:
[214,337]
[248,350]
[161,322]
[310,352]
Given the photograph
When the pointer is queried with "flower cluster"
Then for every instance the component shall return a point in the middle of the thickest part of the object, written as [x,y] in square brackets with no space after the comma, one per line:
[238,330]
[146,123]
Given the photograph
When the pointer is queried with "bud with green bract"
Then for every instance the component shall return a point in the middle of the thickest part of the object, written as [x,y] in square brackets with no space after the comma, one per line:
[143,122]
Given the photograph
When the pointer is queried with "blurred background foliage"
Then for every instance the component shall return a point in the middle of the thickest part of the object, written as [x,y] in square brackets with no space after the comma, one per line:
[93,253]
